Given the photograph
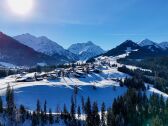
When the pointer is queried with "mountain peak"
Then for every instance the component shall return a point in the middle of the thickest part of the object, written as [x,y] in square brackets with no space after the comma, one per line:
[43,37]
[44,45]
[129,43]
[85,50]
[90,43]
[27,34]
[146,42]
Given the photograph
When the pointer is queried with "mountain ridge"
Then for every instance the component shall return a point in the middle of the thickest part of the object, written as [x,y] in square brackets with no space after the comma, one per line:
[86,50]
[45,45]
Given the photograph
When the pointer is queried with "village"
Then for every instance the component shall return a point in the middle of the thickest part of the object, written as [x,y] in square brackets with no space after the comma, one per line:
[76,70]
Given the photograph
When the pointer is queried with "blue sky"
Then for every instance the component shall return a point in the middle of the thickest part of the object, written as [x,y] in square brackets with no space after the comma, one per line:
[105,22]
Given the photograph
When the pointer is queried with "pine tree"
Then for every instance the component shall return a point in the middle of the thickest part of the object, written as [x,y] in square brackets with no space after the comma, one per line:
[38,110]
[95,115]
[34,119]
[10,100]
[79,112]
[45,111]
[72,109]
[103,118]
[79,115]
[51,120]
[65,114]
[157,122]
[45,107]
[88,112]
[22,113]
[83,105]
[1,105]
[110,118]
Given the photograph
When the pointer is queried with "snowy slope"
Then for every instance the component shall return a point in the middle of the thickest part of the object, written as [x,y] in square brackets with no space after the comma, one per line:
[44,45]
[62,90]
[152,46]
[147,42]
[85,50]
[163,45]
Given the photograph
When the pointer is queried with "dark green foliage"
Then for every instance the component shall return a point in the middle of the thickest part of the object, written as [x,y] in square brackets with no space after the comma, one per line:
[134,108]
[51,120]
[95,115]
[83,105]
[103,115]
[38,109]
[34,119]
[45,112]
[134,82]
[79,112]
[159,67]
[22,113]
[7,72]
[88,112]
[72,112]
[10,100]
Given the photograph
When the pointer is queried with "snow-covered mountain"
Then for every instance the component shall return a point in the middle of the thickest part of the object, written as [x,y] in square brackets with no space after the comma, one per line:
[86,50]
[44,45]
[148,42]
[164,45]
[141,50]
[13,52]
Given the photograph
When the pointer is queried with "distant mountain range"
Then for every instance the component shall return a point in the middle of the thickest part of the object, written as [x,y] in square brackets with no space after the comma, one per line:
[29,50]
[85,50]
[144,49]
[44,45]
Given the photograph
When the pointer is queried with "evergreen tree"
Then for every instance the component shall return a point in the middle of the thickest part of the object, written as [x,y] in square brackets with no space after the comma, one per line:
[22,113]
[83,105]
[157,122]
[38,108]
[65,114]
[72,109]
[88,112]
[51,120]
[45,111]
[103,118]
[110,118]
[95,115]
[79,115]
[79,112]
[34,119]
[10,100]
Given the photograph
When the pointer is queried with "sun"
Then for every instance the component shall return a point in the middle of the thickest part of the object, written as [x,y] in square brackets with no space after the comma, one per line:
[20,7]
